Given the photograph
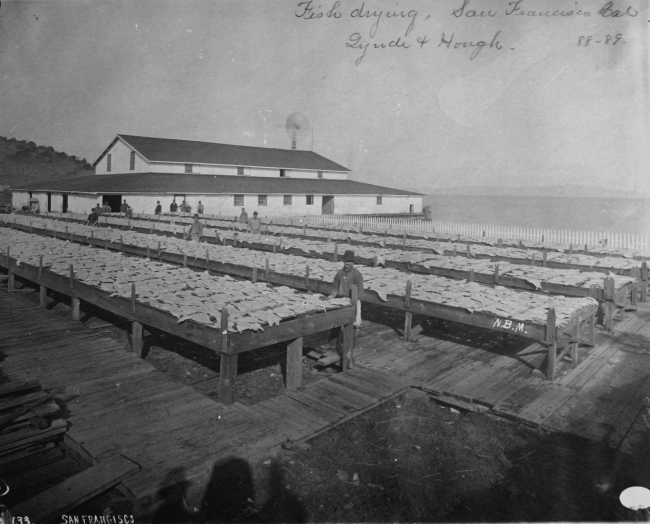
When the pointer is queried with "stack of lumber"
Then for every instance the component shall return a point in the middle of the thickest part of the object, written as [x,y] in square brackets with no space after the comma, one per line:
[30,429]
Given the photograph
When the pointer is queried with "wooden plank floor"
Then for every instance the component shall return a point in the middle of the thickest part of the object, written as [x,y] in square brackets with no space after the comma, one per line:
[600,399]
[117,403]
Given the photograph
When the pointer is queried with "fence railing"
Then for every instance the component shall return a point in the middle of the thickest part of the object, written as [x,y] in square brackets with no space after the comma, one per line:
[562,236]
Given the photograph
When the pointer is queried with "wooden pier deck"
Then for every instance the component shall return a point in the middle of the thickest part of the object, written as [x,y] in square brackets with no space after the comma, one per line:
[117,403]
[601,399]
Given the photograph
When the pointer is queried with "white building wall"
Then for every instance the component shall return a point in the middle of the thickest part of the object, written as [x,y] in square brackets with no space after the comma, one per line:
[42,200]
[57,202]
[19,199]
[353,205]
[121,161]
[203,169]
[81,203]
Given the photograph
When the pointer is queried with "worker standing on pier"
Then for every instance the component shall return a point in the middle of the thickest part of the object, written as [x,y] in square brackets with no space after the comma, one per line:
[344,279]
[255,224]
[196,229]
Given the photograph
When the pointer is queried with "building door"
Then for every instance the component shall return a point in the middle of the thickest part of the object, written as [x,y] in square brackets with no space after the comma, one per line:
[64,206]
[328,205]
[49,202]
[115,201]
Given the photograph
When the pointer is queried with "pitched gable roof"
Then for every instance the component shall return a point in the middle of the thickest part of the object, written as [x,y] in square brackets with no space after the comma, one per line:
[191,152]
[172,183]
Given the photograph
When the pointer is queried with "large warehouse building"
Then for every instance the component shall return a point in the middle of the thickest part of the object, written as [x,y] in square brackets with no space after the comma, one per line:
[224,178]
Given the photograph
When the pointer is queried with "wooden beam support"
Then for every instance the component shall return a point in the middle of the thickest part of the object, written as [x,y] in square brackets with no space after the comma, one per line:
[228,364]
[136,338]
[551,342]
[42,296]
[76,308]
[347,360]
[294,364]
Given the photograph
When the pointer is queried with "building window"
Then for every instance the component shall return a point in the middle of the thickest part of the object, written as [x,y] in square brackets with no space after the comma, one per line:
[188,168]
[283,172]
[108,162]
[240,170]
[239,200]
[287,200]
[310,200]
[320,174]
[379,201]
[261,200]
[132,160]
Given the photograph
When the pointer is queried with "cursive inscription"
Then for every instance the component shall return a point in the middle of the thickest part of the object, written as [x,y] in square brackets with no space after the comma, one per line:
[381,28]
[454,43]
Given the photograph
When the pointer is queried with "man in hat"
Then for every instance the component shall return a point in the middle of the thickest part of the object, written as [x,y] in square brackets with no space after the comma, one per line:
[243,218]
[344,279]
[158,208]
[124,207]
[196,229]
[200,208]
[255,224]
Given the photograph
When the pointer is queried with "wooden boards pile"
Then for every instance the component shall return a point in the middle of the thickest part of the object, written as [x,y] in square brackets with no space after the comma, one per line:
[30,428]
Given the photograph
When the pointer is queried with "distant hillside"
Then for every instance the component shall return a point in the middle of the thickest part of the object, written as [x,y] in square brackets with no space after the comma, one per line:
[569,190]
[23,163]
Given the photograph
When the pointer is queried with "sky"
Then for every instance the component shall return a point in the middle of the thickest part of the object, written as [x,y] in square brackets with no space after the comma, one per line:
[409,94]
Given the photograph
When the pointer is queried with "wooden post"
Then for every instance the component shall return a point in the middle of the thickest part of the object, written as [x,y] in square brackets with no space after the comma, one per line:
[121,244]
[228,364]
[274,247]
[136,338]
[455,250]
[496,274]
[42,296]
[335,255]
[266,269]
[570,249]
[499,243]
[133,296]
[404,242]
[469,251]
[375,261]
[254,278]
[207,257]
[294,364]
[184,259]
[608,305]
[409,316]
[307,276]
[11,283]
[76,308]
[551,342]
[470,277]
[634,295]
[40,266]
[159,250]
[71,276]
[644,282]
[544,257]
[532,259]
[105,243]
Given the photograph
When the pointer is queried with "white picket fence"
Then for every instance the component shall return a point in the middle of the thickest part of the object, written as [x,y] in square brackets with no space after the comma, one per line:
[563,236]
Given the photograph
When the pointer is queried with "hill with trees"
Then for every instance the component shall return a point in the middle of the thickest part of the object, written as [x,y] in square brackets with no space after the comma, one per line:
[23,162]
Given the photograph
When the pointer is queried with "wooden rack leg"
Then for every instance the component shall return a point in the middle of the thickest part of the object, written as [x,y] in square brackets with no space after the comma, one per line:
[11,282]
[347,361]
[592,330]
[634,295]
[136,338]
[608,313]
[227,376]
[42,296]
[76,308]
[294,364]
[552,356]
[408,322]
